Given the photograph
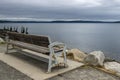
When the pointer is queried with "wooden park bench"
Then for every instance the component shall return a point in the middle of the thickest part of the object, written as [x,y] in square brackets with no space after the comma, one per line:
[41,46]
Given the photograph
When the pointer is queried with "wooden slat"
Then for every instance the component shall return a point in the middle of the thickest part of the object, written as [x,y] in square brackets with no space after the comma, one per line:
[32,47]
[32,39]
[35,55]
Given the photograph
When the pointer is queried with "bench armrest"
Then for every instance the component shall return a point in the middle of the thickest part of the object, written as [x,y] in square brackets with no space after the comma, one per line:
[57,47]
[56,44]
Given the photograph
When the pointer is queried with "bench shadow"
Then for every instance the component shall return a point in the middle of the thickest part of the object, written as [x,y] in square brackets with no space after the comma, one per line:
[37,63]
[43,66]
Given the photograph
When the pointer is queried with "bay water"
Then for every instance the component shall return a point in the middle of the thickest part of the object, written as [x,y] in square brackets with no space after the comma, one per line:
[87,37]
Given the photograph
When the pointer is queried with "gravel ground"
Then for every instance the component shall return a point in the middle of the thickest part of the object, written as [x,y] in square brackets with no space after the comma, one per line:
[9,73]
[83,73]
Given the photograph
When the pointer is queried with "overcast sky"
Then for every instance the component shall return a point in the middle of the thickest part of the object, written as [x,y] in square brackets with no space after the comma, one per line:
[60,9]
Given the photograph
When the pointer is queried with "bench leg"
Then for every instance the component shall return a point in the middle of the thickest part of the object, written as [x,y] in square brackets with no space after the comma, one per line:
[7,40]
[7,48]
[50,63]
[65,58]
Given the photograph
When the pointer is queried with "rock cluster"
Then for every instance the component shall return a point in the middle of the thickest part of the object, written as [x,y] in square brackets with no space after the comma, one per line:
[113,66]
[76,55]
[95,58]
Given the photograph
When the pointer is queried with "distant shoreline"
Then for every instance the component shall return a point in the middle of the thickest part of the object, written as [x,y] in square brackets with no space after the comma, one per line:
[77,21]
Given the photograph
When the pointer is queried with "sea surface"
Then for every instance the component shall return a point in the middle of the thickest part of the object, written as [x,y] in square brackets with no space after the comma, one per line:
[87,37]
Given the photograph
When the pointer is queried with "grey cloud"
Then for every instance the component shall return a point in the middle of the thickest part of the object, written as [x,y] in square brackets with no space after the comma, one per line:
[61,9]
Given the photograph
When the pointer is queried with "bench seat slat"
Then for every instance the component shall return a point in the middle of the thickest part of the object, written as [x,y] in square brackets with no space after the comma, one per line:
[30,46]
[36,55]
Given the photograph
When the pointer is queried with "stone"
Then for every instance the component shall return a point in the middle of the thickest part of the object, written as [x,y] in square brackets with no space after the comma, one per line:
[1,41]
[113,66]
[95,58]
[76,54]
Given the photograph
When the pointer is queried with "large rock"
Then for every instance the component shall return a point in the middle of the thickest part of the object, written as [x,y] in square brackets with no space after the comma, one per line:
[1,41]
[113,66]
[76,54]
[95,58]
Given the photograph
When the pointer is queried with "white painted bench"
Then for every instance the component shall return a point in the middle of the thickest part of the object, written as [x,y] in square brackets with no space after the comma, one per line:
[38,47]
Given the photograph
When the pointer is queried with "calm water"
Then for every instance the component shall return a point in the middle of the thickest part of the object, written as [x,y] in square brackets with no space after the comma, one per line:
[85,36]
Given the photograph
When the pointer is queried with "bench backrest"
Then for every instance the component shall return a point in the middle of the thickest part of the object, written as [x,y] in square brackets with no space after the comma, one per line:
[32,39]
